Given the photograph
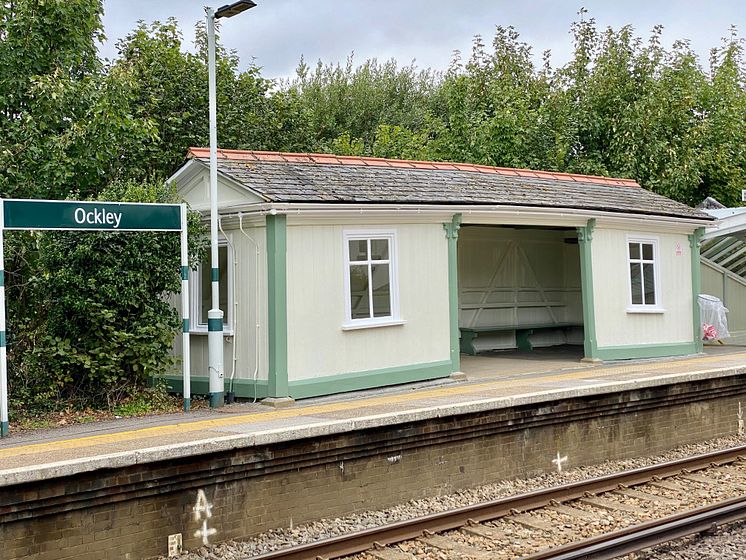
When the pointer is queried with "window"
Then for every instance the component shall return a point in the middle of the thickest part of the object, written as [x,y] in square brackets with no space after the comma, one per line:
[643,274]
[370,279]
[202,290]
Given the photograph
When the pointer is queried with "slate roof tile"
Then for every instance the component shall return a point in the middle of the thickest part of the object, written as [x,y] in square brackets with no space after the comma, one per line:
[307,178]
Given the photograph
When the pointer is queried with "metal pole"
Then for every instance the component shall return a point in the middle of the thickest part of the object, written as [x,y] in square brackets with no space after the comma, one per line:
[185,352]
[214,315]
[4,423]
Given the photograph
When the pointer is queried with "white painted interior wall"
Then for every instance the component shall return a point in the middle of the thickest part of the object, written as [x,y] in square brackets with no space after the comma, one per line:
[510,276]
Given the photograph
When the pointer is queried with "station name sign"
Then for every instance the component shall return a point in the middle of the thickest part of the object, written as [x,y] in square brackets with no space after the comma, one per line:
[102,216]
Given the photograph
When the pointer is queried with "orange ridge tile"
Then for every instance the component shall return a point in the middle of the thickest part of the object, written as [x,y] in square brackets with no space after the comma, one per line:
[332,159]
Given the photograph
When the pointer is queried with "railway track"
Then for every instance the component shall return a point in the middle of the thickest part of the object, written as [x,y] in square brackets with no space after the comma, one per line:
[604,517]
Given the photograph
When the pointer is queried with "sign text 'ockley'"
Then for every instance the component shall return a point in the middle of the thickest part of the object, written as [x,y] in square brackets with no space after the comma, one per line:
[97,216]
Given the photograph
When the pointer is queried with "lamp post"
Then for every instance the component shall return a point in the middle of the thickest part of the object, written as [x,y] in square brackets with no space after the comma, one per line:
[215,315]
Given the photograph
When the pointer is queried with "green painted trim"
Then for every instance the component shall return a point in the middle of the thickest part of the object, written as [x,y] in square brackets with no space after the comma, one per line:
[185,273]
[214,325]
[187,405]
[2,278]
[217,400]
[585,238]
[694,241]
[214,275]
[452,228]
[646,351]
[4,429]
[277,319]
[185,325]
[356,381]
[2,339]
[200,385]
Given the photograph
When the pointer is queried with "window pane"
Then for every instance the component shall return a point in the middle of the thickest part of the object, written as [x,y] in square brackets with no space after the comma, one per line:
[649,275]
[634,250]
[381,290]
[206,286]
[379,249]
[636,282]
[359,298]
[647,251]
[359,250]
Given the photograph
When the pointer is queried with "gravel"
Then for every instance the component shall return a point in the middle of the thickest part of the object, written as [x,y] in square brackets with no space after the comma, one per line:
[727,543]
[324,528]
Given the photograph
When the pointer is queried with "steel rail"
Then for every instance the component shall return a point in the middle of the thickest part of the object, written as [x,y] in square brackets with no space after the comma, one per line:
[648,534]
[353,543]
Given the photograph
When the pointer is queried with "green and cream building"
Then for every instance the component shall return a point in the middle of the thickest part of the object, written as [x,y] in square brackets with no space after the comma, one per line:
[343,273]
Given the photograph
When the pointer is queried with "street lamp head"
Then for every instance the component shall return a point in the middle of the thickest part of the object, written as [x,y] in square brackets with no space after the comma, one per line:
[230,10]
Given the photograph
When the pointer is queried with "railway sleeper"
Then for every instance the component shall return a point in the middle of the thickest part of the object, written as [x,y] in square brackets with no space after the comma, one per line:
[646,496]
[531,522]
[389,553]
[449,545]
[610,505]
[572,511]
[671,485]
[699,478]
[484,531]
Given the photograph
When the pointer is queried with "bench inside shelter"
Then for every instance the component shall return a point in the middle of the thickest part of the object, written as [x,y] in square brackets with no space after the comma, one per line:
[519,287]
[522,334]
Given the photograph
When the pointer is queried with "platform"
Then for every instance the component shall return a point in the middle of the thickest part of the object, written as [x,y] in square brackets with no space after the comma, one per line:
[494,381]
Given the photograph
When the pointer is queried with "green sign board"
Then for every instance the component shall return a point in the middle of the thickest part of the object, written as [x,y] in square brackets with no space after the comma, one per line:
[102,216]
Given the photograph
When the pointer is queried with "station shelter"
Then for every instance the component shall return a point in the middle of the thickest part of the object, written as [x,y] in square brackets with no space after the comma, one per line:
[341,273]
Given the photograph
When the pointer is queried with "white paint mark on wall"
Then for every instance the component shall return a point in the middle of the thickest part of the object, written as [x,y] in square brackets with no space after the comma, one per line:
[342,467]
[558,462]
[202,512]
[740,419]
[394,459]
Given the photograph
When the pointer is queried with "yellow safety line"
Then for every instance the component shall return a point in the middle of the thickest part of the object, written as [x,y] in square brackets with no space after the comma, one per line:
[255,417]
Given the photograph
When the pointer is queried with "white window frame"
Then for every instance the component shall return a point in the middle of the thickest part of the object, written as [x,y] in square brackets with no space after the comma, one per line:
[657,307]
[367,234]
[196,293]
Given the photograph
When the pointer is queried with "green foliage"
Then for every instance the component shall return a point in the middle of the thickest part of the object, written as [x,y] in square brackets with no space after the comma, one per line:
[107,323]
[170,92]
[63,121]
[344,106]
[89,313]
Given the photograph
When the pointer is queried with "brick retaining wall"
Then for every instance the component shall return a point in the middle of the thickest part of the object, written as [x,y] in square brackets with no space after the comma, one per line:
[129,512]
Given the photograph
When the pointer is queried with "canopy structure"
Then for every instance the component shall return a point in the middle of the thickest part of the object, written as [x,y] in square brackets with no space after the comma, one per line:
[724,243]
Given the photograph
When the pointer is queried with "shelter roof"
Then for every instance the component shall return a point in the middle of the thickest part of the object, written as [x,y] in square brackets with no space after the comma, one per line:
[324,178]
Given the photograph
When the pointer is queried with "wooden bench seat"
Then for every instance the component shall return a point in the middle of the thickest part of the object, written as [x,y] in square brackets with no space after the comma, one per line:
[522,332]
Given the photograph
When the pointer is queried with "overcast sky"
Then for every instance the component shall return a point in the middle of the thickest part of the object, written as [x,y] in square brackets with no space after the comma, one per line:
[277,32]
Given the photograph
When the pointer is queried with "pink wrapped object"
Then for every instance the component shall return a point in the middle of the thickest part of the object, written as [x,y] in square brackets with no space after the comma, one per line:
[709,332]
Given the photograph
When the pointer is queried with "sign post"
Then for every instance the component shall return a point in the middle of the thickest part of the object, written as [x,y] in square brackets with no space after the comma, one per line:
[22,214]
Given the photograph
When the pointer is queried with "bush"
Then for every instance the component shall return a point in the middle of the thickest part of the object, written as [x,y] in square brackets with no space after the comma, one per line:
[103,321]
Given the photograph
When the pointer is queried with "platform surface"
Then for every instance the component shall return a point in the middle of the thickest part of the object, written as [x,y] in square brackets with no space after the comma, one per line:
[494,381]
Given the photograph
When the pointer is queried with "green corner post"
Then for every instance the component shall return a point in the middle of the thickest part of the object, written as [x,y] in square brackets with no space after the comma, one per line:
[585,237]
[694,241]
[451,229]
[277,320]
[4,422]
[185,347]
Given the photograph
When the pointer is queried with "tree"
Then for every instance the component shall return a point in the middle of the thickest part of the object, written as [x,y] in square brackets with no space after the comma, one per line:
[351,102]
[66,129]
[63,122]
[723,109]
